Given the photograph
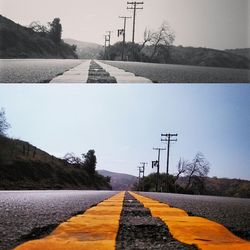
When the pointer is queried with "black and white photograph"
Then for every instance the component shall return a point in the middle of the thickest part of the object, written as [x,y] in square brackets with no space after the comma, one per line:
[115,41]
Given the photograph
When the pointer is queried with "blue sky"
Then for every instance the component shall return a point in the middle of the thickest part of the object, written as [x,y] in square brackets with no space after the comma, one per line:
[124,122]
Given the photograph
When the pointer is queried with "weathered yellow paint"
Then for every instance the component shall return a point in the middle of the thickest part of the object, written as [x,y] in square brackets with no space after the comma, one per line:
[205,234]
[96,229]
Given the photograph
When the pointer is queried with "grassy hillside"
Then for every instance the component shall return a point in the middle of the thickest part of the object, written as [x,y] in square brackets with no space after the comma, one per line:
[23,166]
[17,41]
[86,50]
[120,181]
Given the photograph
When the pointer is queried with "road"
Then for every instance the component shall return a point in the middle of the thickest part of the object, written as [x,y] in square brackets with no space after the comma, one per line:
[33,70]
[23,212]
[26,214]
[170,73]
[233,213]
[44,70]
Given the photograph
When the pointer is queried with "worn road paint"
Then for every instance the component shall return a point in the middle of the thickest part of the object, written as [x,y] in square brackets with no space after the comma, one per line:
[205,234]
[96,229]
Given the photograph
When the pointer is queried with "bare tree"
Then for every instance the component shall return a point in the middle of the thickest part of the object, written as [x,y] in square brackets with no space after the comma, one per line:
[38,27]
[147,37]
[72,159]
[160,39]
[197,169]
[181,169]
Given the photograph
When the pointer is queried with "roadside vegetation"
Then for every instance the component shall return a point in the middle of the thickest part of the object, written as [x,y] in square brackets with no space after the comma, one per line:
[157,47]
[35,41]
[24,166]
[191,178]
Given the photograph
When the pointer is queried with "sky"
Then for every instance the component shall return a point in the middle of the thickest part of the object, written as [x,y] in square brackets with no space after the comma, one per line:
[123,123]
[219,24]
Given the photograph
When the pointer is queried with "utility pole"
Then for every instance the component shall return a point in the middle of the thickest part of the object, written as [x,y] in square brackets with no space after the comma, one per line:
[124,33]
[158,166]
[107,43]
[107,39]
[133,6]
[142,170]
[168,138]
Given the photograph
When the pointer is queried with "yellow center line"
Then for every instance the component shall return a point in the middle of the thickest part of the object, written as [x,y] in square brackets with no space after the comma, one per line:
[93,230]
[205,234]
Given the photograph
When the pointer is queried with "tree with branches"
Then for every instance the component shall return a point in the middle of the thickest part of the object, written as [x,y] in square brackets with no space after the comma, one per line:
[55,30]
[4,125]
[197,169]
[159,40]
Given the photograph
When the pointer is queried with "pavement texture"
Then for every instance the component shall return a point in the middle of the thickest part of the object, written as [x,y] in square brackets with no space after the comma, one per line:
[204,233]
[139,230]
[233,213]
[119,221]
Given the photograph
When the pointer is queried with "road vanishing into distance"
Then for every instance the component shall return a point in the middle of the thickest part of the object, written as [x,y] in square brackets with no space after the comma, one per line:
[26,215]
[45,70]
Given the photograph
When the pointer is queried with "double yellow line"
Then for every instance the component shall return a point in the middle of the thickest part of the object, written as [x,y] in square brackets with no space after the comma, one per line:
[97,229]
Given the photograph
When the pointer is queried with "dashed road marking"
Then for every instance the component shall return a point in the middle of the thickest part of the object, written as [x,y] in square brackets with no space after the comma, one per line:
[96,229]
[122,76]
[206,234]
[105,74]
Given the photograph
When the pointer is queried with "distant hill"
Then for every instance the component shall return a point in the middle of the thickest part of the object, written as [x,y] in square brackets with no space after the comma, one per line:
[86,50]
[119,181]
[17,41]
[24,166]
[208,57]
[203,57]
[223,187]
[240,52]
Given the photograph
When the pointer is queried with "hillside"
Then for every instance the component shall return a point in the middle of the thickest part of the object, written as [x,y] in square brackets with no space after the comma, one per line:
[119,181]
[201,57]
[17,41]
[86,50]
[240,52]
[24,166]
[223,187]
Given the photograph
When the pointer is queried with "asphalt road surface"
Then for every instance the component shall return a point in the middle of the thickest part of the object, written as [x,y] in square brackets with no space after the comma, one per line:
[33,212]
[44,70]
[33,70]
[233,213]
[27,214]
[170,73]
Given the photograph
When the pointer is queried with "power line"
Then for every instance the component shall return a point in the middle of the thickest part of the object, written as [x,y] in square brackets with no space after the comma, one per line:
[168,138]
[133,6]
[158,166]
[123,31]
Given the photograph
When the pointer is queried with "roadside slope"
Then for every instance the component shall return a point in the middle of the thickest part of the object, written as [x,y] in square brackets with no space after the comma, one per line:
[24,166]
